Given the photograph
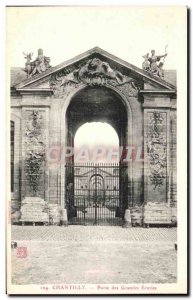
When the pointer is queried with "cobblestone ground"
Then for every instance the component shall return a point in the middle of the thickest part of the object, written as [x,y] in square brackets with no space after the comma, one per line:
[78,254]
[95,233]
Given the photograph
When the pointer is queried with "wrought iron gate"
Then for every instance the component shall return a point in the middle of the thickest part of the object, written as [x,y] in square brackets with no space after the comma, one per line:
[93,194]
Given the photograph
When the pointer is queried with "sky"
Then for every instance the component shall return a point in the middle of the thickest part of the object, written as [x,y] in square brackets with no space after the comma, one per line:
[108,137]
[95,138]
[127,32]
[64,32]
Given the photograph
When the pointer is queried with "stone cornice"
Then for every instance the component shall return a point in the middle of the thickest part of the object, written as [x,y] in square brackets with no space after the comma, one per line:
[161,92]
[32,91]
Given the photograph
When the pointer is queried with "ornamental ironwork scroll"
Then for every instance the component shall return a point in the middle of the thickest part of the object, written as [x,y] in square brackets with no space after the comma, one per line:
[35,154]
[157,147]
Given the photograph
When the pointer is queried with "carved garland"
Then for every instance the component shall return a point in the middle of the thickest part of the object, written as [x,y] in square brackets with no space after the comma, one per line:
[157,148]
[35,154]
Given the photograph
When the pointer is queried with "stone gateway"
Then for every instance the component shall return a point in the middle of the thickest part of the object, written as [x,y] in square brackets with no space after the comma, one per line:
[49,104]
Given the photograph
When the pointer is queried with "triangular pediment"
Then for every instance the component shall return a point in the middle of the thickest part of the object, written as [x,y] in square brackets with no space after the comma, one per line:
[121,67]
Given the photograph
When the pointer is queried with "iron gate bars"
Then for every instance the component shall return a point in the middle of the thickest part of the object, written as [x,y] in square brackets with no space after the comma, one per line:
[95,193]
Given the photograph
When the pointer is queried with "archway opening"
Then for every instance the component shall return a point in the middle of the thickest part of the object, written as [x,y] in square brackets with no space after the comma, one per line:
[96,142]
[97,185]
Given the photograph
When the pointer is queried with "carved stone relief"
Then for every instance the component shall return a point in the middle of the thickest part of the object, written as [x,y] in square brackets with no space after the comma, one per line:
[35,149]
[157,147]
[93,72]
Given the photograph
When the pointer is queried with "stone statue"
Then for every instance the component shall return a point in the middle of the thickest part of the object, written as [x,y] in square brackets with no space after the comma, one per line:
[150,64]
[39,65]
[28,66]
[160,71]
[146,64]
[153,62]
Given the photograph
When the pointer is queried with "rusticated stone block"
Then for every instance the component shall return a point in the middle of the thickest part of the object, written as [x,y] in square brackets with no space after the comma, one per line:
[34,209]
[157,213]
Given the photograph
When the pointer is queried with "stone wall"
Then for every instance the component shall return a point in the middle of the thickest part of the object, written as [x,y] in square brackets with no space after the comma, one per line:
[40,125]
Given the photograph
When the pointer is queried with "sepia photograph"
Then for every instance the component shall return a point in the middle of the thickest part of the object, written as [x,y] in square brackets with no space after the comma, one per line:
[96,150]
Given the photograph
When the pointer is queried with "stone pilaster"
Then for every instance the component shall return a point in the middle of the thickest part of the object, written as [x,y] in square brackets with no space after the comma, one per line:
[35,172]
[156,160]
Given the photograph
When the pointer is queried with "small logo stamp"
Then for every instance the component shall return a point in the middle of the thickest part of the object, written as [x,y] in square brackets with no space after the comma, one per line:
[21,252]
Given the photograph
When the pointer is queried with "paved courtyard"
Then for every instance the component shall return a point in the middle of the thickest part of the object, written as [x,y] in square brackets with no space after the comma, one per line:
[78,254]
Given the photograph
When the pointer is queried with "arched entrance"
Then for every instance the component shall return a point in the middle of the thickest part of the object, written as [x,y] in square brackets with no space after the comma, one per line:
[98,104]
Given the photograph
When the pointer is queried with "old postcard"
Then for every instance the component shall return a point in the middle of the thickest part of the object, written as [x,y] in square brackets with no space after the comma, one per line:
[96,122]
